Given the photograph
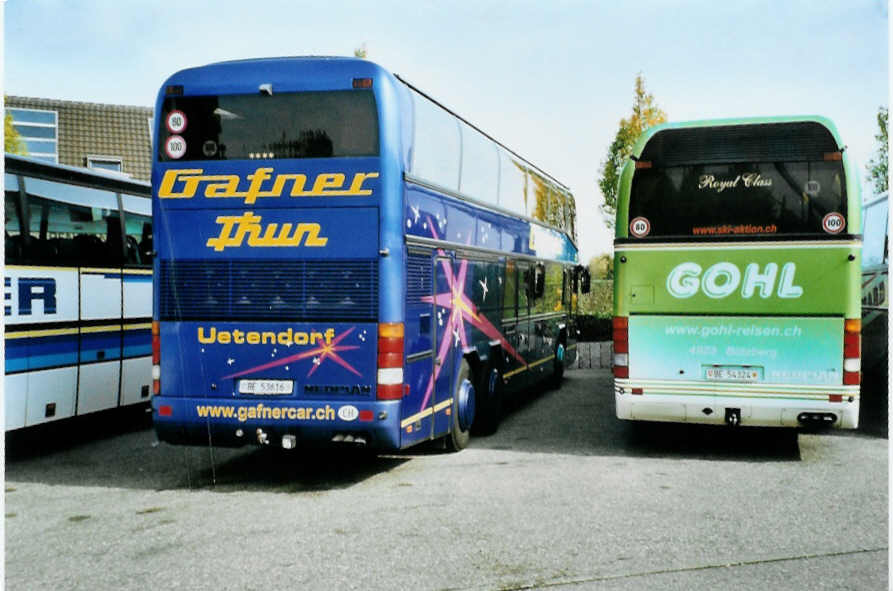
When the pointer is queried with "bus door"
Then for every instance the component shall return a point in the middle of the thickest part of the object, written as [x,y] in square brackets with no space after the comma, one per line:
[447,338]
[100,339]
[521,338]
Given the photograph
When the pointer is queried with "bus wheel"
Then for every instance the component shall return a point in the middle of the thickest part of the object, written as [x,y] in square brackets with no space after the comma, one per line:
[488,395]
[558,365]
[462,409]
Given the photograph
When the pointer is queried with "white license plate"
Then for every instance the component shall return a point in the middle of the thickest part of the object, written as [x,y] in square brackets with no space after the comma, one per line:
[733,373]
[266,387]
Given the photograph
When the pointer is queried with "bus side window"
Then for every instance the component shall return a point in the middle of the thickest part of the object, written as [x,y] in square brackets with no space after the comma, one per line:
[138,229]
[525,289]
[65,233]
[15,239]
[510,297]
[874,232]
[139,239]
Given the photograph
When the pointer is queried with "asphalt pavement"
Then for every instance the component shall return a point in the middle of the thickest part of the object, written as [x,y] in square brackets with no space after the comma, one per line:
[563,496]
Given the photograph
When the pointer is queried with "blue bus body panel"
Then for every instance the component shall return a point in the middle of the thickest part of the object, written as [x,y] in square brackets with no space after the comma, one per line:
[325,360]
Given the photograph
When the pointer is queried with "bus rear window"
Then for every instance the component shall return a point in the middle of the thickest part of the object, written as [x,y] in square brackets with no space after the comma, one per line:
[765,198]
[257,126]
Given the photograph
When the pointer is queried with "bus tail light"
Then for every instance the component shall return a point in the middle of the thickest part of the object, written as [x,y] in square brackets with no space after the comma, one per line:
[621,346]
[156,358]
[390,361]
[852,352]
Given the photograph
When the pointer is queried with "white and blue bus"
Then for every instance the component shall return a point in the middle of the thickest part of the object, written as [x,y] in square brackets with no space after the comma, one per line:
[875,283]
[77,292]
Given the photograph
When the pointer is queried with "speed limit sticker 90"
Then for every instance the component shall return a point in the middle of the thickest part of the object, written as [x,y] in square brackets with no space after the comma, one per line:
[176,122]
[640,227]
[833,223]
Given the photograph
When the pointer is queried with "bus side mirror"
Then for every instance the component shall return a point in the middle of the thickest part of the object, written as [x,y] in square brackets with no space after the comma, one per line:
[585,280]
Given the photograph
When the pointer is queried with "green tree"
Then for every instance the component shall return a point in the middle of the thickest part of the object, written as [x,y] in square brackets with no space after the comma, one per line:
[877,167]
[645,114]
[602,267]
[12,142]
[360,51]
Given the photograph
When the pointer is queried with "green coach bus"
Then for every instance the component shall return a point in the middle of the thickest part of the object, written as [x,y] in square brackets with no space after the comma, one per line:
[737,275]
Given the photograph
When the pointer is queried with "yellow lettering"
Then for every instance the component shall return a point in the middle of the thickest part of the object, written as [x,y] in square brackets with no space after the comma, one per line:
[223,338]
[312,231]
[268,338]
[245,223]
[301,338]
[297,188]
[209,339]
[225,189]
[356,187]
[253,338]
[284,338]
[183,184]
[257,179]
[334,180]
[277,413]
[190,183]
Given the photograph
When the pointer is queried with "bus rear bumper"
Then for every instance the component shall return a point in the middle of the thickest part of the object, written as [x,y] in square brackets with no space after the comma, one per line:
[279,423]
[755,408]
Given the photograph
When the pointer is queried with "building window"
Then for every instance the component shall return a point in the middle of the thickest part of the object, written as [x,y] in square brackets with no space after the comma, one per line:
[39,131]
[112,163]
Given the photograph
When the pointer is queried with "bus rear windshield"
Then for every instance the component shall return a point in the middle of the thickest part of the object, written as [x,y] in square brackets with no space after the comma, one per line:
[765,198]
[258,126]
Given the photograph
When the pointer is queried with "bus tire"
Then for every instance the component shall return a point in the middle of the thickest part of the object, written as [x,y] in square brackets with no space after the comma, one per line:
[458,437]
[488,395]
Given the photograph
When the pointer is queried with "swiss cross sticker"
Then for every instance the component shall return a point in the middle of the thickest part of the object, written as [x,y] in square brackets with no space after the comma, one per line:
[640,227]
[833,223]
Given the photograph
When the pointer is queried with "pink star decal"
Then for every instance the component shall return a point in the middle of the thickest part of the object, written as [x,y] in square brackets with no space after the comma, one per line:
[462,310]
[320,353]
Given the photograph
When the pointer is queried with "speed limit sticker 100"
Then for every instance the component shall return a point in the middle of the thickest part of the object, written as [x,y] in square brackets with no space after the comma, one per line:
[833,223]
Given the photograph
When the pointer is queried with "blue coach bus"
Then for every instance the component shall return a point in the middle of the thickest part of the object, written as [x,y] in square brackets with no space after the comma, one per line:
[77,292]
[341,259]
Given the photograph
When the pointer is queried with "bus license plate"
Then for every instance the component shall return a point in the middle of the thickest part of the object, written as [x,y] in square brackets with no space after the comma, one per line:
[733,373]
[266,387]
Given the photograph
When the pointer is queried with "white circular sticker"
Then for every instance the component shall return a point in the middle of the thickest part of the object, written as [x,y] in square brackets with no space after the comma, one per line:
[175,147]
[640,227]
[348,413]
[209,148]
[812,188]
[176,122]
[833,223]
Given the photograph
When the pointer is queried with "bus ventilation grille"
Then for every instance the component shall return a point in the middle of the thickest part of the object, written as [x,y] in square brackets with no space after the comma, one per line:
[419,280]
[269,290]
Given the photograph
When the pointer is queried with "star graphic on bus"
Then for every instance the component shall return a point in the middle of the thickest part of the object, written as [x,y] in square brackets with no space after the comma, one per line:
[462,311]
[317,354]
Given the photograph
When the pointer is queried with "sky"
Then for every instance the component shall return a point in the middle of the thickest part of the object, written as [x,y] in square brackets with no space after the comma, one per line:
[550,79]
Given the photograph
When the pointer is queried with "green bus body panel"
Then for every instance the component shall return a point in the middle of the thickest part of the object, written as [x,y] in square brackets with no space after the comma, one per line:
[758,350]
[814,284]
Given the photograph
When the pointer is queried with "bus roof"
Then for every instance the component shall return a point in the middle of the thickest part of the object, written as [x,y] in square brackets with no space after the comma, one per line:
[74,174]
[651,132]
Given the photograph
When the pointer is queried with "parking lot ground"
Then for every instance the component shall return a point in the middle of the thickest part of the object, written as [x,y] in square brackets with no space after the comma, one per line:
[562,496]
